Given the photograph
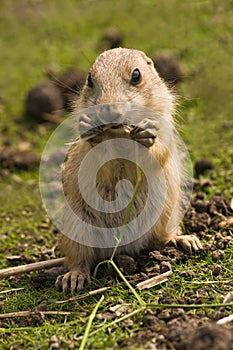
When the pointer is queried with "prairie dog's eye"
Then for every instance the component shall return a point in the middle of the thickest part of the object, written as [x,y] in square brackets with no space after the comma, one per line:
[135,77]
[90,81]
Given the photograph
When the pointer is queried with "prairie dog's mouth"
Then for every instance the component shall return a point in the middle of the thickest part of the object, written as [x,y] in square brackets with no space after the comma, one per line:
[111,129]
[115,126]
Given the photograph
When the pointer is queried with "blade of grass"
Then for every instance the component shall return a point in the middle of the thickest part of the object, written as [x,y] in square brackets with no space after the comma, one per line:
[89,323]
[117,320]
[128,211]
[137,296]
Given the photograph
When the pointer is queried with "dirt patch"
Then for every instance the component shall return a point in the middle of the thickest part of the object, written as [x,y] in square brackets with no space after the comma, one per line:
[202,165]
[172,330]
[48,100]
[168,67]
[43,102]
[111,39]
[18,158]
[70,82]
[176,329]
[212,337]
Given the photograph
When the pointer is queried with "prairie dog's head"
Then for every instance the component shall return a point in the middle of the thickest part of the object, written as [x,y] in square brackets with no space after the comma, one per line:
[126,75]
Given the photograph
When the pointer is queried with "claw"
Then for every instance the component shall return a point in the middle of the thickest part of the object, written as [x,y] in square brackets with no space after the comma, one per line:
[88,127]
[145,132]
[81,280]
[58,283]
[147,142]
[189,242]
[94,123]
[65,282]
[73,280]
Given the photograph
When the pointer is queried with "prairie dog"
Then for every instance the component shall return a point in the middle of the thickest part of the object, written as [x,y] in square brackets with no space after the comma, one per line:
[122,76]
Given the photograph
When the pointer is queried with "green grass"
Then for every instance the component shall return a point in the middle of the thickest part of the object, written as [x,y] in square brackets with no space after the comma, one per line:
[38,34]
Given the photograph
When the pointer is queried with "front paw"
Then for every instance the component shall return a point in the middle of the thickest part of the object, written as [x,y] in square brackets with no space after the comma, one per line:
[94,123]
[145,132]
[73,281]
[88,128]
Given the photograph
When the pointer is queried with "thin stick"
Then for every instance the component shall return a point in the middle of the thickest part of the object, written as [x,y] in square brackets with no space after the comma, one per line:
[92,292]
[225,319]
[11,290]
[89,323]
[16,270]
[154,281]
[28,313]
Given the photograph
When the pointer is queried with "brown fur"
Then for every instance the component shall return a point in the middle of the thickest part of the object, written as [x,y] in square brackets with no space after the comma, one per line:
[111,75]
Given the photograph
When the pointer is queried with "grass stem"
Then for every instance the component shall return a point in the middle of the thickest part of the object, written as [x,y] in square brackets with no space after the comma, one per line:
[137,296]
[128,211]
[89,323]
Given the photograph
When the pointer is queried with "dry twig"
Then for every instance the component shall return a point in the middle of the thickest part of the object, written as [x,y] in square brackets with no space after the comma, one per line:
[154,281]
[82,296]
[11,290]
[16,270]
[29,313]
[225,319]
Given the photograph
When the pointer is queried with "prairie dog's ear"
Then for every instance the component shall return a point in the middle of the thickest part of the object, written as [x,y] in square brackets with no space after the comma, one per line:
[149,61]
[146,58]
